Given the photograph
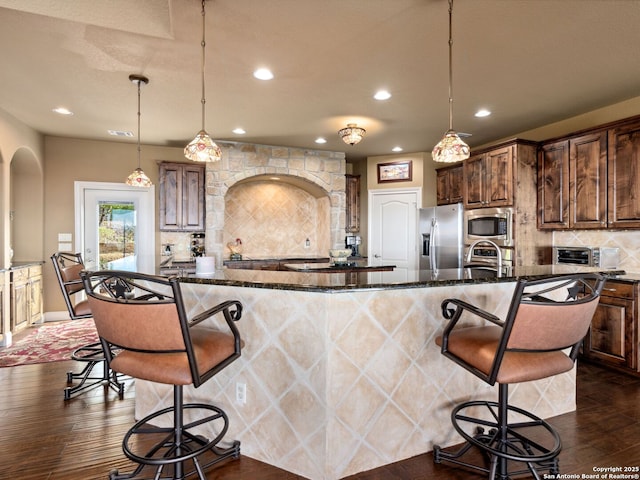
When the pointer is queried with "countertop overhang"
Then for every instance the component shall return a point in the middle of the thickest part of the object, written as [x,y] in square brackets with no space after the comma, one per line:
[337,282]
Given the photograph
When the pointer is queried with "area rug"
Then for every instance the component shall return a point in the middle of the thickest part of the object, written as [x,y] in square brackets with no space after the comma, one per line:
[49,343]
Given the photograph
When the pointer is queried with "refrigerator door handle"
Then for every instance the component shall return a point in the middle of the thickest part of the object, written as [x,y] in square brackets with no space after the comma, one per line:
[432,243]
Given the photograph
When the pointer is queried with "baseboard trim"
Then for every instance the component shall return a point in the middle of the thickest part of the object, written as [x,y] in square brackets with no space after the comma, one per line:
[56,316]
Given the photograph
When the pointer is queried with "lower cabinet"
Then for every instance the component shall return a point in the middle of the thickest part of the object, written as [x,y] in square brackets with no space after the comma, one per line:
[26,297]
[613,337]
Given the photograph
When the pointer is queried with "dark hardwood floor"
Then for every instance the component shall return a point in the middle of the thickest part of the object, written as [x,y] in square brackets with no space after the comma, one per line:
[45,438]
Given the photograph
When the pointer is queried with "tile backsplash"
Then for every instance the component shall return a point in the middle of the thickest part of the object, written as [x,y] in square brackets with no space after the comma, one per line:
[628,241]
[275,220]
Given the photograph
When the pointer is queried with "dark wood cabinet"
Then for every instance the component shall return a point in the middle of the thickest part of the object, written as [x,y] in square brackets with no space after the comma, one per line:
[352,221]
[182,202]
[450,182]
[572,183]
[624,176]
[613,337]
[489,179]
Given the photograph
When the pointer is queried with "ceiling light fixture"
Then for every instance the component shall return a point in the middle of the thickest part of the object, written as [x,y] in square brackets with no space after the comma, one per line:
[483,112]
[451,148]
[352,134]
[202,148]
[382,95]
[263,74]
[62,111]
[138,177]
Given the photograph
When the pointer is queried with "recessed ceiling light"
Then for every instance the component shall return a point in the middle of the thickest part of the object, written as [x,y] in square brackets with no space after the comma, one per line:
[239,131]
[396,149]
[263,74]
[62,111]
[483,112]
[321,140]
[382,95]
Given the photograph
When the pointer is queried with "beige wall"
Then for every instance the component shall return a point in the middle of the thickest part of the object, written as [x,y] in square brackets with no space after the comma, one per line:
[69,160]
[64,160]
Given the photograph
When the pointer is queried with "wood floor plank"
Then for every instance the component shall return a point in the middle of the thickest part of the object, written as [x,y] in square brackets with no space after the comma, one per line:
[44,437]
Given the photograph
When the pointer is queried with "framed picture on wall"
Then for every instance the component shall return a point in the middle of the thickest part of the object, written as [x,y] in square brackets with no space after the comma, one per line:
[395,172]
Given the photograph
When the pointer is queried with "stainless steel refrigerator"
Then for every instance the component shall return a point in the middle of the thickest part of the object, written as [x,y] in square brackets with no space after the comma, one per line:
[441,237]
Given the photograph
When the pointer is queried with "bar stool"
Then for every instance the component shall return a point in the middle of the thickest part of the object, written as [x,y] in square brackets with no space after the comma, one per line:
[68,267]
[539,338]
[146,334]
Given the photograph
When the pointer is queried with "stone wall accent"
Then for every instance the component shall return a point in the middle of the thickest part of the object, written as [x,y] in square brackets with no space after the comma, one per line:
[244,160]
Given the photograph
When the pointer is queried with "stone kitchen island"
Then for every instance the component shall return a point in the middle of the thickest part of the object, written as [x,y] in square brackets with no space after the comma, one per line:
[342,374]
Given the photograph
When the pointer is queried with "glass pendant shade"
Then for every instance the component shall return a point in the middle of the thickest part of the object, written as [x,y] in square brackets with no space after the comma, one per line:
[202,149]
[352,134]
[138,179]
[450,149]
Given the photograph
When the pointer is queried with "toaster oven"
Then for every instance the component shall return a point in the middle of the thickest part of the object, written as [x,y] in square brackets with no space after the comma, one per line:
[604,257]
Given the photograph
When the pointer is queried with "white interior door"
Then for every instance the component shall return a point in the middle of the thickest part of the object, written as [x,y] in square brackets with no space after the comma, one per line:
[115,227]
[393,230]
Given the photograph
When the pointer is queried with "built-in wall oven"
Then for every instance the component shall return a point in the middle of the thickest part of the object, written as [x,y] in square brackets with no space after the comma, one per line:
[495,224]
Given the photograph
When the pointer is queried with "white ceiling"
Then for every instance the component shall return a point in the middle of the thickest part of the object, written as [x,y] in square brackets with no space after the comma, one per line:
[531,62]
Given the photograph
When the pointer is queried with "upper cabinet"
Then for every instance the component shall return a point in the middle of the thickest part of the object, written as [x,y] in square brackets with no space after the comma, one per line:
[624,176]
[450,182]
[489,179]
[572,183]
[182,202]
[353,203]
[591,180]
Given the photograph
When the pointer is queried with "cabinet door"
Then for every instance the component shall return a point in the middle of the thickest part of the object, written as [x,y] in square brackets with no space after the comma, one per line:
[474,182]
[456,184]
[353,204]
[588,181]
[449,186]
[553,186]
[35,299]
[610,338]
[170,197]
[193,198]
[624,177]
[499,177]
[19,305]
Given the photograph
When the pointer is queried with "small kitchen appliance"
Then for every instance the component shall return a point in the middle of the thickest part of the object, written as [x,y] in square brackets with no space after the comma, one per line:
[603,257]
[353,242]
[197,245]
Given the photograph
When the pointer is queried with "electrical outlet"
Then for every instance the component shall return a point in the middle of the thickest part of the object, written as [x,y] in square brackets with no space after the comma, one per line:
[241,393]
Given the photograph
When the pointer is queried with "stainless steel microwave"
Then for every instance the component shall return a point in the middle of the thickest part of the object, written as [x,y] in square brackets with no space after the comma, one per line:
[495,224]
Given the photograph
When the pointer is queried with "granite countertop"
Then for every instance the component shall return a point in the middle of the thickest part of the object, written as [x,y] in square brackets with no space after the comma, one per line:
[335,282]
[328,267]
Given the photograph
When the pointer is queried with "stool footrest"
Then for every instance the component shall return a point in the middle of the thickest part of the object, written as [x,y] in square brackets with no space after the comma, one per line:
[528,439]
[167,449]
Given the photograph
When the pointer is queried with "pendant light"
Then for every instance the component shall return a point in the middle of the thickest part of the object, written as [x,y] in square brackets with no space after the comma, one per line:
[451,148]
[138,177]
[202,148]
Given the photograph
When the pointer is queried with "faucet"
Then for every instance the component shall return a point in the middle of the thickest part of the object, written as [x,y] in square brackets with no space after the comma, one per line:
[489,242]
